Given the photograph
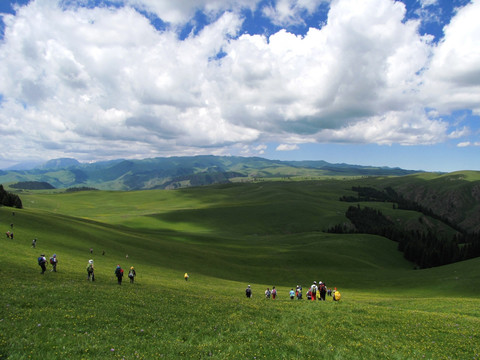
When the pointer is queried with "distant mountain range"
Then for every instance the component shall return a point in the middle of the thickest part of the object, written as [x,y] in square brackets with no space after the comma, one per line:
[176,172]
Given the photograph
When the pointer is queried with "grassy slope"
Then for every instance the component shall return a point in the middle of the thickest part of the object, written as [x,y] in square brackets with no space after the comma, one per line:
[225,236]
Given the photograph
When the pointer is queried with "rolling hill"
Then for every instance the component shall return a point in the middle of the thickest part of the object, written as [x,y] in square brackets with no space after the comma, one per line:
[225,236]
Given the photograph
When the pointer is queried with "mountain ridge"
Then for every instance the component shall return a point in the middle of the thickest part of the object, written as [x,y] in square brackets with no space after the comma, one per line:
[181,171]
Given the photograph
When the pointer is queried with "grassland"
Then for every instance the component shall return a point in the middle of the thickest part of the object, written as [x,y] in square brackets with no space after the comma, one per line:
[266,234]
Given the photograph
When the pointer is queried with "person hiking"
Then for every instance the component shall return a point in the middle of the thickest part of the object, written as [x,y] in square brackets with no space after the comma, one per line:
[34,243]
[186,276]
[131,275]
[54,261]
[298,293]
[323,290]
[119,274]
[274,293]
[42,261]
[313,290]
[248,292]
[90,271]
[292,294]
[267,293]
[336,295]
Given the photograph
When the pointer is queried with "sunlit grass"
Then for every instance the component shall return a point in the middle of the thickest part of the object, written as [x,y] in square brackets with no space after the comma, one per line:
[387,311]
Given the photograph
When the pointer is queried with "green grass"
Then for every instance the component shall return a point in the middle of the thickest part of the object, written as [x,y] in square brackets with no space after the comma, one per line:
[225,237]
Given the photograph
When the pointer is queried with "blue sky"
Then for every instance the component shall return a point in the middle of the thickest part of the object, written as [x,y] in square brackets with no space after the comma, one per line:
[373,82]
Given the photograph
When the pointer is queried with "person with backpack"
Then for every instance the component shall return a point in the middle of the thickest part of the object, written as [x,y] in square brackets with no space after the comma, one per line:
[42,262]
[267,293]
[186,276]
[292,294]
[274,293]
[131,275]
[54,261]
[34,243]
[309,294]
[313,290]
[299,292]
[90,270]
[248,292]
[119,274]
[336,295]
[323,290]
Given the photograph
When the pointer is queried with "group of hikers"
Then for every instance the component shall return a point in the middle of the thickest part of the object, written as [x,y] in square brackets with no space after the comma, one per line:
[315,292]
[42,262]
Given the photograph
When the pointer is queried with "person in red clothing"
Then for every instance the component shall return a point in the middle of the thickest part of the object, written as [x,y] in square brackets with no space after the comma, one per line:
[314,289]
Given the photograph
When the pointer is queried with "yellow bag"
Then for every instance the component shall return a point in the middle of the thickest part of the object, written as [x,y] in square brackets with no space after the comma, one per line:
[337,295]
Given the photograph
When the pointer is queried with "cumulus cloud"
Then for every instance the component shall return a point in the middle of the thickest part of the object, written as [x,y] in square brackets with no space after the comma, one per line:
[394,127]
[104,82]
[362,63]
[452,80]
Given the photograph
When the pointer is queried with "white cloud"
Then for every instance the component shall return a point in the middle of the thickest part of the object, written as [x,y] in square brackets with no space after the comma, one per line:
[394,127]
[425,3]
[287,147]
[357,66]
[104,82]
[458,133]
[464,144]
[290,12]
[181,12]
[452,80]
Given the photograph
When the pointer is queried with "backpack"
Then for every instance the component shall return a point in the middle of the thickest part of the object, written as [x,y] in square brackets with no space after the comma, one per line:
[40,260]
[314,289]
[52,261]
[337,295]
[130,274]
[90,268]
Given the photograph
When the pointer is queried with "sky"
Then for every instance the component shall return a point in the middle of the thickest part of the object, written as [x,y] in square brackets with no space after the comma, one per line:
[371,82]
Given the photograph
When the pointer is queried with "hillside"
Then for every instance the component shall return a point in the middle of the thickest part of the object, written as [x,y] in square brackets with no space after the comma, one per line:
[225,236]
[177,172]
[454,196]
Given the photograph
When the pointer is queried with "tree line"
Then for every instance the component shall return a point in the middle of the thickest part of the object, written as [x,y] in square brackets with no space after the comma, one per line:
[9,199]
[424,248]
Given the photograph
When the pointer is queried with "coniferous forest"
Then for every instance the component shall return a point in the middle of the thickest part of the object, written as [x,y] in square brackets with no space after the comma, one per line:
[9,199]
[424,248]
